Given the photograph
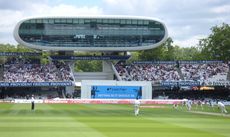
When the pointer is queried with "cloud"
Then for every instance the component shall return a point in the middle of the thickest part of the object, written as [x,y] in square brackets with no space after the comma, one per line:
[192,41]
[130,7]
[16,13]
[9,20]
[63,10]
[19,4]
[68,10]
[186,20]
[222,9]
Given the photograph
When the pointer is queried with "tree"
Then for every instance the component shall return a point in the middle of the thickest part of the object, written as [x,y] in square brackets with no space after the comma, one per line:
[217,45]
[162,52]
[88,65]
[187,53]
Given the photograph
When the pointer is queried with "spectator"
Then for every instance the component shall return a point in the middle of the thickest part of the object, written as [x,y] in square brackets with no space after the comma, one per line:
[148,72]
[19,71]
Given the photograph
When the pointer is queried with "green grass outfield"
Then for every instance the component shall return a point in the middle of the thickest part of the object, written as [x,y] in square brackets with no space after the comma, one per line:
[85,120]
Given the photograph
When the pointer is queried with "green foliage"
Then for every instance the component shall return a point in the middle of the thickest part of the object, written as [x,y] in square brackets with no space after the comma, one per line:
[88,66]
[20,48]
[45,58]
[217,45]
[168,51]
[189,53]
[14,48]
[134,57]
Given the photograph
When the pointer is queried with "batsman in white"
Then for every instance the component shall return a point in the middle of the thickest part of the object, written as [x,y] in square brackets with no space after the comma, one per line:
[137,104]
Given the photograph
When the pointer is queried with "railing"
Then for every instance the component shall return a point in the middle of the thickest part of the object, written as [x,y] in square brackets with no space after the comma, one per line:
[71,73]
[116,73]
[228,75]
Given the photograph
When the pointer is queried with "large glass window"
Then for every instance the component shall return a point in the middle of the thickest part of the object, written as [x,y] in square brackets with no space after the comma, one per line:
[140,22]
[63,21]
[146,22]
[123,21]
[45,21]
[57,21]
[39,21]
[111,21]
[105,21]
[81,21]
[33,21]
[28,21]
[69,21]
[51,20]
[60,32]
[117,21]
[134,22]
[87,21]
[99,20]
[128,21]
[75,21]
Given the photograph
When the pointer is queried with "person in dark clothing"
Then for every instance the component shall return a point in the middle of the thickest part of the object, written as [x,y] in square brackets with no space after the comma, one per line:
[32,103]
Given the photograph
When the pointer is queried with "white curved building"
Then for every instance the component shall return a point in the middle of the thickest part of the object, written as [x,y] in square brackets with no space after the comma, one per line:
[91,33]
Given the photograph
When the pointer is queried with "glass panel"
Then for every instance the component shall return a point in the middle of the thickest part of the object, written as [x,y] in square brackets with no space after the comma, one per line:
[134,21]
[81,21]
[39,21]
[157,23]
[57,20]
[76,21]
[63,20]
[105,21]
[51,21]
[123,21]
[117,21]
[111,21]
[87,21]
[45,21]
[32,21]
[99,20]
[69,21]
[146,22]
[140,22]
[128,21]
[28,21]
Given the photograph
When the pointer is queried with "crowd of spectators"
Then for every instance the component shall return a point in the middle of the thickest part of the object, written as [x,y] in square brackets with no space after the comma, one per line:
[25,70]
[158,72]
[203,71]
[147,72]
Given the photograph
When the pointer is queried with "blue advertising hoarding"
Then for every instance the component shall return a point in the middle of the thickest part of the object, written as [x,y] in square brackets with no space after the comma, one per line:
[20,54]
[35,84]
[180,83]
[116,92]
[109,57]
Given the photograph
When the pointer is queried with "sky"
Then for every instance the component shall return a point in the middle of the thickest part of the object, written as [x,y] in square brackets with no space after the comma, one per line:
[187,20]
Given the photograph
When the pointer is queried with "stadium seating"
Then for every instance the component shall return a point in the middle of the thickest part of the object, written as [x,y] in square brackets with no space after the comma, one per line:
[214,71]
[25,70]
[203,71]
[148,72]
